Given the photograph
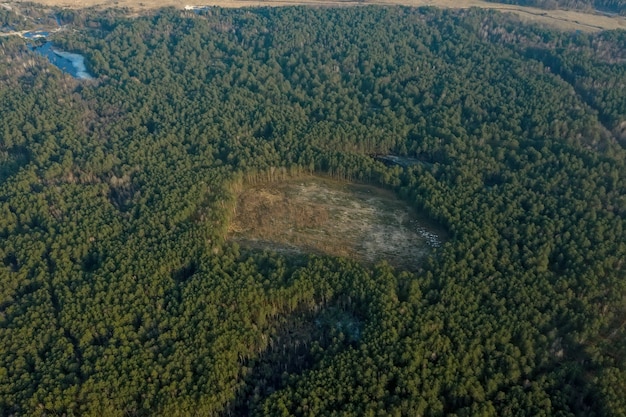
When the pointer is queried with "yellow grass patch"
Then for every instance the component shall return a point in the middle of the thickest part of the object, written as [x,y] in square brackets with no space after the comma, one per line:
[322,216]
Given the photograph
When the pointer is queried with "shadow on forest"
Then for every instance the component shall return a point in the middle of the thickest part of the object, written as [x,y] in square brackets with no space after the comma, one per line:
[12,160]
[298,344]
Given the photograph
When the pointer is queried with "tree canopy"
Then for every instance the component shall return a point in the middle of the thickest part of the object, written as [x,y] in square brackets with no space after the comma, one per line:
[119,294]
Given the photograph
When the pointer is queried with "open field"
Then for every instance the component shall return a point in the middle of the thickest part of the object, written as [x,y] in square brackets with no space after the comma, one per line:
[328,217]
[563,19]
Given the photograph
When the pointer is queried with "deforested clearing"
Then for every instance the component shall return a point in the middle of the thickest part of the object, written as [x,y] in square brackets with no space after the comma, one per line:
[323,216]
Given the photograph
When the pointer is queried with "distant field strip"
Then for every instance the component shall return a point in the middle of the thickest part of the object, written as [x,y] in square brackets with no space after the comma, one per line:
[563,19]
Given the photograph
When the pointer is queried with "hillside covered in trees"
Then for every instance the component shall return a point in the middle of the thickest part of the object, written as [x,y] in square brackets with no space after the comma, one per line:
[119,295]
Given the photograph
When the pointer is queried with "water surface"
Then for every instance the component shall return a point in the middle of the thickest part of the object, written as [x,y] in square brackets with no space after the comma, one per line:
[73,64]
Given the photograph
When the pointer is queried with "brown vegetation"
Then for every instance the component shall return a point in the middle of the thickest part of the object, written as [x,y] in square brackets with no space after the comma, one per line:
[330,217]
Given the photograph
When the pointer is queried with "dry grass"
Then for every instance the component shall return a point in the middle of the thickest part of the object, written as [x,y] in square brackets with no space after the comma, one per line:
[563,19]
[328,217]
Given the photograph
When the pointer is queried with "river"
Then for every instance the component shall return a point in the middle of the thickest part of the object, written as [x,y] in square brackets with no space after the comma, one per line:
[73,64]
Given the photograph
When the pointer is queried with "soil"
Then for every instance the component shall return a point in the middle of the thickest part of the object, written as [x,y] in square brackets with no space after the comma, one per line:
[322,216]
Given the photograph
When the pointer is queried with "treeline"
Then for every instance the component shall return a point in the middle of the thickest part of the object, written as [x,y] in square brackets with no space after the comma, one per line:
[119,295]
[610,6]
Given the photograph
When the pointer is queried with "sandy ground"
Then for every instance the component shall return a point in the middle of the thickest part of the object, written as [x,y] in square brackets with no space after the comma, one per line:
[563,19]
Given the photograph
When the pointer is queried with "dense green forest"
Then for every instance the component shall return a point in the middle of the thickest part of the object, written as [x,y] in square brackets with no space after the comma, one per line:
[119,295]
[607,6]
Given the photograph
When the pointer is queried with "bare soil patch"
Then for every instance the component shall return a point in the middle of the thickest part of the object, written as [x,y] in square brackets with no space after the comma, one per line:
[323,216]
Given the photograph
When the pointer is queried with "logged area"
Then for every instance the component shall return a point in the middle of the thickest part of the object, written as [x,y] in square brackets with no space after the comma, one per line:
[335,218]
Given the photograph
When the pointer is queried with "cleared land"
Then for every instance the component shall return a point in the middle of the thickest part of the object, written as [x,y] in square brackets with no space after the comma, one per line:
[563,19]
[328,217]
